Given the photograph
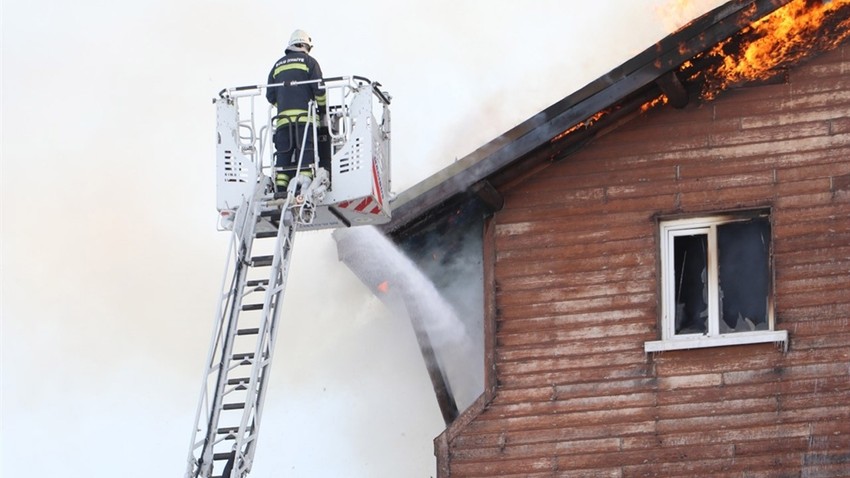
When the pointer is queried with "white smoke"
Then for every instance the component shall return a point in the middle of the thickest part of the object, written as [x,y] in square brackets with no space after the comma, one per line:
[110,261]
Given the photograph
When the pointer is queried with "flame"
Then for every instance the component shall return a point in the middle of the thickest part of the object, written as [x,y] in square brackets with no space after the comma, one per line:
[661,100]
[583,124]
[384,286]
[778,39]
[772,42]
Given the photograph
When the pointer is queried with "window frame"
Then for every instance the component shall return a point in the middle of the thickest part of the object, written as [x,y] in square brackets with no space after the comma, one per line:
[668,230]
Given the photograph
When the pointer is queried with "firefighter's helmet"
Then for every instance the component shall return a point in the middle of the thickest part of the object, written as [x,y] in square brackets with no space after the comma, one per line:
[299,38]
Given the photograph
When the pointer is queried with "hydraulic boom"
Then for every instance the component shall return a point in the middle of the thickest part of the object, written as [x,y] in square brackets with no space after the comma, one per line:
[263,225]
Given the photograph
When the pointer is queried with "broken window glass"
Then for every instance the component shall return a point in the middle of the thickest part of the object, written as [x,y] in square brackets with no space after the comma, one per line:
[744,275]
[717,277]
[716,282]
[691,287]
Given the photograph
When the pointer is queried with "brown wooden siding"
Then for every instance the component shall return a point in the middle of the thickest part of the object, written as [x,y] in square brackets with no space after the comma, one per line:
[575,269]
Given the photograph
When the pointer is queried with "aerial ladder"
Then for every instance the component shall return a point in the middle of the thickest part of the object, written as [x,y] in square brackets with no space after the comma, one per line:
[353,189]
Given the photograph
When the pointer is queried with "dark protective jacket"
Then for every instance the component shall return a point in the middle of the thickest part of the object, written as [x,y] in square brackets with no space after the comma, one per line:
[291,101]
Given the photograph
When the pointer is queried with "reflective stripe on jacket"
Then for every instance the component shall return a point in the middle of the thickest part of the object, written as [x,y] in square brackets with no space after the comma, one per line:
[291,101]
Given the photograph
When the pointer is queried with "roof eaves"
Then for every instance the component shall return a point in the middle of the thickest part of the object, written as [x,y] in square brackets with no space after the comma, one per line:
[639,72]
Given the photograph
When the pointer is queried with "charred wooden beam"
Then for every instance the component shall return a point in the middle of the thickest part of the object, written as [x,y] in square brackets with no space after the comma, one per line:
[488,195]
[677,94]
[439,381]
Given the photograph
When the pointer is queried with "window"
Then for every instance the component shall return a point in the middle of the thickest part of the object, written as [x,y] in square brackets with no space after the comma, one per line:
[716,282]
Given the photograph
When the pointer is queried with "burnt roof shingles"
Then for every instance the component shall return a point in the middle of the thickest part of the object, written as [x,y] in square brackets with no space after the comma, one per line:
[636,74]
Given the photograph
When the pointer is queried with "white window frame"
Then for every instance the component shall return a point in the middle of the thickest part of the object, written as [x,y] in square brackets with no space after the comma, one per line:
[669,230]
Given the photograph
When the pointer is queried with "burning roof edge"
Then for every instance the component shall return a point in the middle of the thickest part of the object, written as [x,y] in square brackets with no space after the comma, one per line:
[605,92]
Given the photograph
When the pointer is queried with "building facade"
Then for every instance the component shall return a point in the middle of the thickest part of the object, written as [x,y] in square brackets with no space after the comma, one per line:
[598,364]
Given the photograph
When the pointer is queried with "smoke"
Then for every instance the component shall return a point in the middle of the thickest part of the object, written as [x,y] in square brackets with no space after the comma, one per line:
[674,14]
[110,261]
[513,71]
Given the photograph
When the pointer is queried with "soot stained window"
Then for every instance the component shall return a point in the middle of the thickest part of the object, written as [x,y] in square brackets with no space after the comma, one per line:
[716,287]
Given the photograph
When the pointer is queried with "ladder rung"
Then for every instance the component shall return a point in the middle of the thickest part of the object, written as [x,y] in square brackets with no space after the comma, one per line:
[232,432]
[252,306]
[256,282]
[261,261]
[234,381]
[253,331]
[272,213]
[246,355]
[222,456]
[266,234]
[233,406]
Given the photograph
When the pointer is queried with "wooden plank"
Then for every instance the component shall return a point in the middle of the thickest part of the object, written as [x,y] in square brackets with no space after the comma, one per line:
[715,409]
[751,104]
[611,368]
[557,266]
[837,281]
[773,134]
[507,298]
[577,419]
[559,321]
[770,447]
[834,340]
[806,255]
[603,387]
[581,305]
[556,236]
[507,257]
[498,467]
[662,459]
[537,366]
[799,115]
[840,125]
[811,216]
[586,275]
[771,431]
[544,435]
[716,467]
[498,411]
[549,350]
[791,314]
[713,397]
[824,326]
[810,298]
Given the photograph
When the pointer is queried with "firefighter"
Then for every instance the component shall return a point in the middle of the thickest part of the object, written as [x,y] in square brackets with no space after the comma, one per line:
[291,102]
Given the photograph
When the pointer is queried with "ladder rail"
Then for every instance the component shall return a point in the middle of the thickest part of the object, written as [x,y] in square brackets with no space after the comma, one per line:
[246,439]
[264,351]
[239,274]
[203,400]
[220,357]
[221,345]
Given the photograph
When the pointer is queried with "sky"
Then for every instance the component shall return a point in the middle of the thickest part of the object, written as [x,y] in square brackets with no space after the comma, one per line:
[110,262]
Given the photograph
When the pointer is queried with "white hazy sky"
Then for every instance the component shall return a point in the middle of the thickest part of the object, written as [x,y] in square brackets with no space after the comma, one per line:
[111,263]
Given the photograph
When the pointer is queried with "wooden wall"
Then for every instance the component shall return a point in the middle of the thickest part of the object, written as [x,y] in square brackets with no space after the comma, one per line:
[576,296]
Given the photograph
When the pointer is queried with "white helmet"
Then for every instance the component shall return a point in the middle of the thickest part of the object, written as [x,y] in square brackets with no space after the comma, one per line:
[299,38]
